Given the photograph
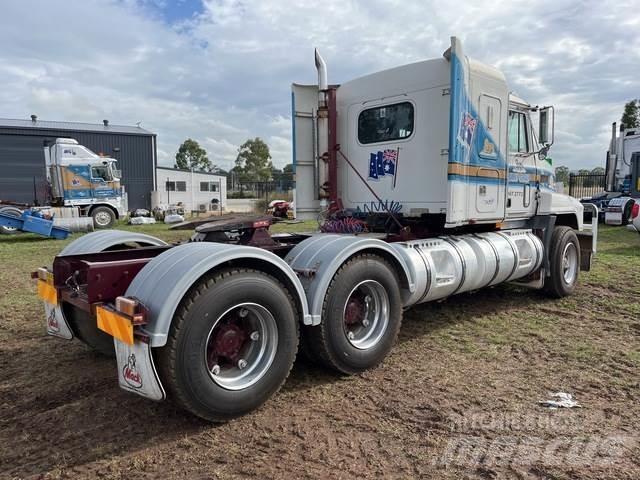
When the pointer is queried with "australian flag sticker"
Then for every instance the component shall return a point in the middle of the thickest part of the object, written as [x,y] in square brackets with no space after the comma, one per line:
[383,163]
[467,128]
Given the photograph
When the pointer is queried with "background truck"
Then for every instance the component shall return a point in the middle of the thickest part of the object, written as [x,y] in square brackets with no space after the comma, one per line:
[81,183]
[428,180]
[622,177]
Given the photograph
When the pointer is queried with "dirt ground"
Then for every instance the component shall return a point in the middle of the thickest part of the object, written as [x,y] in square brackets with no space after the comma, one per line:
[457,398]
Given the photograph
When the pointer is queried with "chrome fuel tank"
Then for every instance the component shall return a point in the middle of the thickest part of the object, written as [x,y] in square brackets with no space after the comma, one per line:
[448,265]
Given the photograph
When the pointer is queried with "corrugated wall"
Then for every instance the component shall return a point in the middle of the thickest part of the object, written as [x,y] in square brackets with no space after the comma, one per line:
[22,161]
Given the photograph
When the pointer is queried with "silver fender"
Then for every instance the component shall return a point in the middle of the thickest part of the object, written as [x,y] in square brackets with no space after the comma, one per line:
[93,243]
[165,280]
[318,258]
[99,241]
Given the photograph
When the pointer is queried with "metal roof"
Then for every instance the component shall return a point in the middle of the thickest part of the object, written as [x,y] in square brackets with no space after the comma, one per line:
[201,172]
[73,126]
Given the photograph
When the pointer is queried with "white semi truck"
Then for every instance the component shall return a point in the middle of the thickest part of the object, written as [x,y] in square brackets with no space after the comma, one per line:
[437,184]
[80,184]
[622,174]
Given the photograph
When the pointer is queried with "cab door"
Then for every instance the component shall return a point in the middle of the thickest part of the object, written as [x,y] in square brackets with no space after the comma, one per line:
[486,169]
[522,184]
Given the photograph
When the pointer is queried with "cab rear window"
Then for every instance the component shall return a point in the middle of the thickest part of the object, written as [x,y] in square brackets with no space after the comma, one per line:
[386,123]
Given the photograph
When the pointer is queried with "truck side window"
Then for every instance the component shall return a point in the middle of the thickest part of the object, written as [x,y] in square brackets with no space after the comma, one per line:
[101,172]
[386,123]
[518,140]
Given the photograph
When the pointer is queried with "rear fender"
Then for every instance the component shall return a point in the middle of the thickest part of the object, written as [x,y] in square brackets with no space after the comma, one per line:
[166,279]
[317,259]
[100,241]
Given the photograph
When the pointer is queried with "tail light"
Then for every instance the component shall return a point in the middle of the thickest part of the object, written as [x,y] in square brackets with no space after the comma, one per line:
[635,211]
[43,274]
[132,309]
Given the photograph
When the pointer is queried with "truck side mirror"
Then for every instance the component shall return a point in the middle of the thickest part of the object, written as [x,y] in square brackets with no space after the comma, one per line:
[546,126]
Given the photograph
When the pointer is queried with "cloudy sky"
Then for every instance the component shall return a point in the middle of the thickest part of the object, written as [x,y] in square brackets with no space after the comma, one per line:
[220,71]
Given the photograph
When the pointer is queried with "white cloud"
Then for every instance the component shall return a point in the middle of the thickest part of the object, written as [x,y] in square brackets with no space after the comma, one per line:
[224,74]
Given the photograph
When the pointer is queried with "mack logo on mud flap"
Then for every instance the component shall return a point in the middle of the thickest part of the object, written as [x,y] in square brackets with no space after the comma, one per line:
[52,322]
[130,373]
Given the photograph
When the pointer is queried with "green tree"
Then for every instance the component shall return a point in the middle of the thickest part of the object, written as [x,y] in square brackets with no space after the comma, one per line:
[631,115]
[253,163]
[562,175]
[192,155]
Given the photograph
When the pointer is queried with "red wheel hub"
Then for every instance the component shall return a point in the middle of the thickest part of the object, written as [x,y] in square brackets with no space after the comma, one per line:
[227,342]
[354,312]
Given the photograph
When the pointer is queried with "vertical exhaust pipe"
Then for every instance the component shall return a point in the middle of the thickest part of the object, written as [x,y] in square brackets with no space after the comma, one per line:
[322,130]
[321,66]
[53,171]
[612,160]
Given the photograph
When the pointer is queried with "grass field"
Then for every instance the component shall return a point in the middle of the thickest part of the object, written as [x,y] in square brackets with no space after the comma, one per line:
[458,396]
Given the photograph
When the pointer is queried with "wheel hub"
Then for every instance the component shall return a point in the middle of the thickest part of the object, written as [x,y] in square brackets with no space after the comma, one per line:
[366,314]
[354,311]
[229,341]
[569,263]
[103,218]
[241,346]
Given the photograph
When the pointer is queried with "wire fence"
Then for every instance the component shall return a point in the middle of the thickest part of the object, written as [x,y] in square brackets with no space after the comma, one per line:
[586,184]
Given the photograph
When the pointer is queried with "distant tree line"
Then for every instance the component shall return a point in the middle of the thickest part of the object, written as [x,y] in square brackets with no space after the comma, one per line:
[252,165]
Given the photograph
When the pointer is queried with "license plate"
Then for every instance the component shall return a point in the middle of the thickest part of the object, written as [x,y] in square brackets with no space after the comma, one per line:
[115,324]
[47,292]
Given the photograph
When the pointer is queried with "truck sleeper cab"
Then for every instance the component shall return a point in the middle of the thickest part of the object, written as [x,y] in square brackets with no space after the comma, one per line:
[80,178]
[215,323]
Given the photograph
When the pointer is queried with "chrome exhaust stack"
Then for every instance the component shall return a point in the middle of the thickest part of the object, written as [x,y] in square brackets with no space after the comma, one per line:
[322,130]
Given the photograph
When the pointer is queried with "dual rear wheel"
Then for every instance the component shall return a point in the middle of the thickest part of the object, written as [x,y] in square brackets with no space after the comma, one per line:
[232,343]
[234,337]
[361,316]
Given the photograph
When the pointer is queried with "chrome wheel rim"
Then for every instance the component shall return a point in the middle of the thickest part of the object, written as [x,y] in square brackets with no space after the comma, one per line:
[569,263]
[241,346]
[366,314]
[102,218]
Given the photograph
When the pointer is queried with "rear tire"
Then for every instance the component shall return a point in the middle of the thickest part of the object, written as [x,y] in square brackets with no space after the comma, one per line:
[13,212]
[361,316]
[229,317]
[564,257]
[83,325]
[103,217]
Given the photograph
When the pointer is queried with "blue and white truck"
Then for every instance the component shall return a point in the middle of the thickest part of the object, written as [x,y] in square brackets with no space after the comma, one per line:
[81,184]
[428,180]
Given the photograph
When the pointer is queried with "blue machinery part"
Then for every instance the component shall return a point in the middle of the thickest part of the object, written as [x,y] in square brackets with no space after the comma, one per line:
[34,222]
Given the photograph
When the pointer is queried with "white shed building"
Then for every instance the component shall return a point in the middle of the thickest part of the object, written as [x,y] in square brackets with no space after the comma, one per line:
[197,191]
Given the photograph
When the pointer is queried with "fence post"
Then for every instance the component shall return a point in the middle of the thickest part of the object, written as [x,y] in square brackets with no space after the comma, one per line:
[571,182]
